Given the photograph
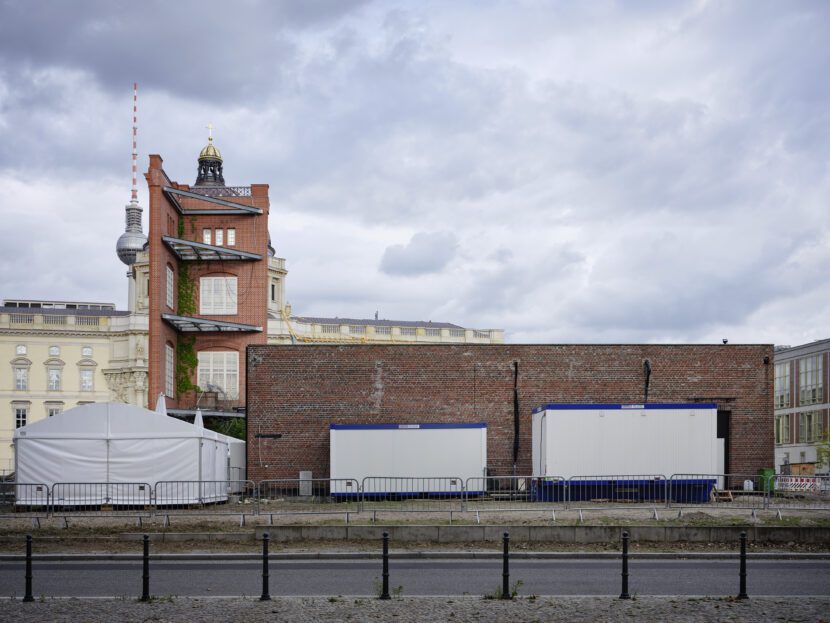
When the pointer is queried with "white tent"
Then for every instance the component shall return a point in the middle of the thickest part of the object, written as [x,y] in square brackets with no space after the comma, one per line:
[118,443]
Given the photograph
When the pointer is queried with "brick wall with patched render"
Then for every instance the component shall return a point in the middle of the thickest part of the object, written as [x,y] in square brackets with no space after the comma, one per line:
[295,392]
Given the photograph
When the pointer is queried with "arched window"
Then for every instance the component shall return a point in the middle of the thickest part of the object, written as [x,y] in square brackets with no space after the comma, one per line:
[20,373]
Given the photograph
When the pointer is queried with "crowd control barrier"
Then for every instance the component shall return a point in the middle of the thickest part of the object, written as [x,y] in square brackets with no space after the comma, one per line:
[800,493]
[412,494]
[308,496]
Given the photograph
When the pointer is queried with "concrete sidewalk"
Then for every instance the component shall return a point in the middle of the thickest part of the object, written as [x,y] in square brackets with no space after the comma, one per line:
[464,609]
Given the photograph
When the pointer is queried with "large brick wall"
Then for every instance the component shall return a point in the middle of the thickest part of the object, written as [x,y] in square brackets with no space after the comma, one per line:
[297,391]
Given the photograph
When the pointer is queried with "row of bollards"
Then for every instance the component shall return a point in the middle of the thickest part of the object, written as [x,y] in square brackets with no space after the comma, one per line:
[624,594]
[266,595]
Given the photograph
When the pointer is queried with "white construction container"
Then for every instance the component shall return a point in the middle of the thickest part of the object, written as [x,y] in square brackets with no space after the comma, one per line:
[618,439]
[407,458]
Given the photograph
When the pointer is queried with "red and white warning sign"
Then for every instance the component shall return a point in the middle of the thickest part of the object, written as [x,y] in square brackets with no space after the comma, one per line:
[796,483]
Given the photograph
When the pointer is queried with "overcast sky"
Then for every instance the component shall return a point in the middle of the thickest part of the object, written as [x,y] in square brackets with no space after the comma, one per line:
[566,171]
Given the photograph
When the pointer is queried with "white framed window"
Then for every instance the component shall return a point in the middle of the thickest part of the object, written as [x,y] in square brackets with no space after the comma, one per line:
[54,351]
[20,349]
[87,379]
[220,237]
[170,277]
[407,330]
[54,379]
[54,408]
[782,385]
[432,332]
[86,352]
[217,296]
[21,415]
[383,330]
[206,235]
[219,371]
[330,328]
[21,378]
[782,429]
[810,380]
[231,237]
[809,426]
[169,371]
[355,329]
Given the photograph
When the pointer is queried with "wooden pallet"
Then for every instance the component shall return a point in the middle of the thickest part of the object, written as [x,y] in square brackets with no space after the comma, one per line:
[722,495]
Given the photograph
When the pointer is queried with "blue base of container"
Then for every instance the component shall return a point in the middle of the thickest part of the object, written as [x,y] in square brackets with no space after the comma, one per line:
[399,495]
[694,491]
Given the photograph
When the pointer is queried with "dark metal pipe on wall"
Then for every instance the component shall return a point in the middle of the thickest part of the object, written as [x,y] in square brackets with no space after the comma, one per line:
[515,415]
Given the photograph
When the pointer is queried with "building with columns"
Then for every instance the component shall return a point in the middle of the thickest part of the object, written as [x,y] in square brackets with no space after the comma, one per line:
[61,354]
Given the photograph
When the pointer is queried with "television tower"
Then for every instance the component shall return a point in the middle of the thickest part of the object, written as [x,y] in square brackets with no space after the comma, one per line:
[133,239]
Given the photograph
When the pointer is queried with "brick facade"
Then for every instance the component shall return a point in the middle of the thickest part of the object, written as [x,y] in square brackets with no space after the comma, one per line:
[297,391]
[252,276]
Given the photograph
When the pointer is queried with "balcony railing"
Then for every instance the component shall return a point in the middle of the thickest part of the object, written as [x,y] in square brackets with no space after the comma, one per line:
[53,322]
[222,191]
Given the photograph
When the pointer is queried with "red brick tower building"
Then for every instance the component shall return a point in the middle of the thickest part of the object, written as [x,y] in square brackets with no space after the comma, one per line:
[209,250]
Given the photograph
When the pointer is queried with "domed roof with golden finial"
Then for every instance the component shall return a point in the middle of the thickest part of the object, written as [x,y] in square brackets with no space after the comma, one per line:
[210,151]
[210,164]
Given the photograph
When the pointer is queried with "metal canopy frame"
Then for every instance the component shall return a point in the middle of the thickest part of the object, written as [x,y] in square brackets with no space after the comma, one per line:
[187,324]
[190,250]
[235,208]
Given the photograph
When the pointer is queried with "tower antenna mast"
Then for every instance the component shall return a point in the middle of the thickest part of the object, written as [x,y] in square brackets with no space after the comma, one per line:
[134,192]
[132,241]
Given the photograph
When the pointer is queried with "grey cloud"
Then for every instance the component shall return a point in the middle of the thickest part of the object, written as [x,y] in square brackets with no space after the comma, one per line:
[666,284]
[210,50]
[425,253]
[685,179]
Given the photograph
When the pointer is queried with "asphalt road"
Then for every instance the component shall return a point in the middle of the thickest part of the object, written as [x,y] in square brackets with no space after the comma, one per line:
[417,577]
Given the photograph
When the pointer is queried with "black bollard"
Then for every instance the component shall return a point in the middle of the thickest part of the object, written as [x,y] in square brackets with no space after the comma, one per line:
[266,595]
[742,593]
[624,594]
[505,569]
[28,596]
[145,576]
[385,590]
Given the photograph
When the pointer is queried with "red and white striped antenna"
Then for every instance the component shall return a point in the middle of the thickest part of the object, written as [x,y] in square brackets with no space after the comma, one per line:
[134,192]
[133,240]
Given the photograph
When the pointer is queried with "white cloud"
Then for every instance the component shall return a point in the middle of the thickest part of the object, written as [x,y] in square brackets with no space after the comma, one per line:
[424,253]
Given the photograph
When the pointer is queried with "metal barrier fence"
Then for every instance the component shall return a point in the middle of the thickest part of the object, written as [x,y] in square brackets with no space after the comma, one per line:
[513,493]
[24,499]
[307,496]
[615,490]
[449,494]
[719,490]
[206,497]
[412,494]
[101,498]
[237,474]
[799,493]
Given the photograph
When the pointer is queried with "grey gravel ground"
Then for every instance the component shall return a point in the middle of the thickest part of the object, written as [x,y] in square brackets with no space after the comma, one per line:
[408,609]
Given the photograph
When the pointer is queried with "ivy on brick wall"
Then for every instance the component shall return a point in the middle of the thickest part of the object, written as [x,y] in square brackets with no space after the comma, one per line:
[186,360]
